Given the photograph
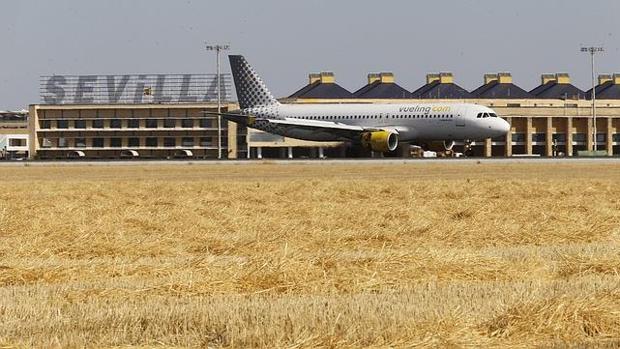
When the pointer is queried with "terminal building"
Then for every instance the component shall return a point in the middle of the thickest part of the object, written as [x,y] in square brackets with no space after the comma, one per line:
[168,116]
[134,116]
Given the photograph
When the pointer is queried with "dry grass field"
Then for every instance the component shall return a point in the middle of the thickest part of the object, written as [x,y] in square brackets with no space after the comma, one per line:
[415,255]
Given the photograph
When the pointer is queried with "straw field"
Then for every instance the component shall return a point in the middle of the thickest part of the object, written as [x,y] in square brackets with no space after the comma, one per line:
[425,255]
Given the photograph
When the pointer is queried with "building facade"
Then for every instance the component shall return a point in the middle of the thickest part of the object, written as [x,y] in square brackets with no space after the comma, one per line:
[13,134]
[113,131]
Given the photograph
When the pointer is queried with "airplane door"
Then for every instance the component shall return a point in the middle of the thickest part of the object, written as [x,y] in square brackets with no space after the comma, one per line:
[383,118]
[460,119]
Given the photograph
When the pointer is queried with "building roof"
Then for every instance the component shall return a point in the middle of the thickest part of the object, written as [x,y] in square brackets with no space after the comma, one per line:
[322,85]
[495,89]
[378,89]
[557,86]
[553,90]
[13,115]
[500,86]
[437,89]
[608,87]
[322,90]
[608,90]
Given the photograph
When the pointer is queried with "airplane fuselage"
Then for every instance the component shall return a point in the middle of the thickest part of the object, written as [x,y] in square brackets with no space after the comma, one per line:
[412,122]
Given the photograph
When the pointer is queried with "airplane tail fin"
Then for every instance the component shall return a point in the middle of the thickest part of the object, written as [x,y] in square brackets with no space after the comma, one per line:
[251,90]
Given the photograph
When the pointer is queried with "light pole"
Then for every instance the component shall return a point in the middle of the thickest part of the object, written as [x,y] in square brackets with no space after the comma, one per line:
[218,48]
[592,50]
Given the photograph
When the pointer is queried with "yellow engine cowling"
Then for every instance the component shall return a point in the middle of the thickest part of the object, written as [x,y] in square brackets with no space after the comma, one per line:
[380,141]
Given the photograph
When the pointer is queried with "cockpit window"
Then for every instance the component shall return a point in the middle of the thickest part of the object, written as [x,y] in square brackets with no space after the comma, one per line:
[479,115]
[493,115]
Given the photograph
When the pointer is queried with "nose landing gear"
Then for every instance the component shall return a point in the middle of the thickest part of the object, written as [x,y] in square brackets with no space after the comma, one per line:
[467,151]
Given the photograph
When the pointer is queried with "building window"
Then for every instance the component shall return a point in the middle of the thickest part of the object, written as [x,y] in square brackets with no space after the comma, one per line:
[62,124]
[79,123]
[133,142]
[170,123]
[151,142]
[559,137]
[187,141]
[98,123]
[601,138]
[538,137]
[80,142]
[518,137]
[115,142]
[45,124]
[170,142]
[187,123]
[205,123]
[205,141]
[97,142]
[579,137]
[46,143]
[133,123]
[115,123]
[616,137]
[17,142]
[62,142]
[241,141]
[151,123]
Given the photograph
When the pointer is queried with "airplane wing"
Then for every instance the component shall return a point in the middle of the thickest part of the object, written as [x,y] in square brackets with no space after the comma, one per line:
[343,131]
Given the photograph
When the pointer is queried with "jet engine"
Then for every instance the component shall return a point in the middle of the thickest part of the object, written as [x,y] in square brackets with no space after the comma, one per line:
[380,141]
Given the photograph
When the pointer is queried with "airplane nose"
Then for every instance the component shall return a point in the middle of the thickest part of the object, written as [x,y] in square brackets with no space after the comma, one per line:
[504,126]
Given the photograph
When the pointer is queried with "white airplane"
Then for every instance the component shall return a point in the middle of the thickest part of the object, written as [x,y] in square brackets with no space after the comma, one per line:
[377,127]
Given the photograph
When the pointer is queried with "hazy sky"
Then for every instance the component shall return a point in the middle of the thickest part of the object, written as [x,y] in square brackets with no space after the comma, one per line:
[285,40]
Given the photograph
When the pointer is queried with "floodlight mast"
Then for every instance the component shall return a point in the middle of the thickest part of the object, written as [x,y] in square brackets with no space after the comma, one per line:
[593,50]
[218,48]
